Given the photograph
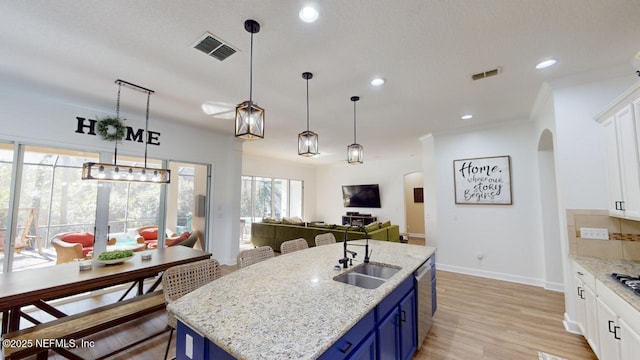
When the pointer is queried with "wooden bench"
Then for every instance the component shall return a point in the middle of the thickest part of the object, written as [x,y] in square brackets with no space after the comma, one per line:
[75,327]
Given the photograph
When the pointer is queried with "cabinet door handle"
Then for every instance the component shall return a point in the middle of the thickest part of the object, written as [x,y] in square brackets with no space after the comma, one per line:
[622,205]
[617,205]
[404,316]
[579,289]
[579,273]
[344,351]
[611,330]
[615,332]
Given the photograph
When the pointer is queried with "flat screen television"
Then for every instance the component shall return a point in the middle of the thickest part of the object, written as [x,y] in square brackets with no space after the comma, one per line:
[363,196]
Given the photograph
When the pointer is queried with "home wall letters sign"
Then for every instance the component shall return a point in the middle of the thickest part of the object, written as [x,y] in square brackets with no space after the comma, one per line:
[483,180]
[89,125]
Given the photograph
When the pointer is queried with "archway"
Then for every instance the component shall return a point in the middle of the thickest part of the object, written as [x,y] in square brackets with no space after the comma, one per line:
[549,208]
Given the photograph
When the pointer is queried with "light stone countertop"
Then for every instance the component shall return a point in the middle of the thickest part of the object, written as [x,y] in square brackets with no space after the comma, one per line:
[289,307]
[602,269]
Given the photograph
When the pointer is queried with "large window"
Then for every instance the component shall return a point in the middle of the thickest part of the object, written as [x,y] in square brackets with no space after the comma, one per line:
[133,204]
[263,197]
[53,199]
[50,198]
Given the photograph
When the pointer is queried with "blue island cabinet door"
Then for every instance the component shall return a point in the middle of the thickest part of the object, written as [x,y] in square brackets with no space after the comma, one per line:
[367,349]
[408,328]
[388,335]
[190,345]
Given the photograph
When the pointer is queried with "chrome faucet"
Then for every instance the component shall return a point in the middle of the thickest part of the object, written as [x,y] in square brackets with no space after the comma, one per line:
[345,260]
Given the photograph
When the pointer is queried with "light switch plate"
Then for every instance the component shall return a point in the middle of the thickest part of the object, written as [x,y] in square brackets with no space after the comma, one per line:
[594,233]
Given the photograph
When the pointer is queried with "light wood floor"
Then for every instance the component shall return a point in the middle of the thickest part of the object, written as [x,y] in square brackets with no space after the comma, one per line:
[481,318]
[477,318]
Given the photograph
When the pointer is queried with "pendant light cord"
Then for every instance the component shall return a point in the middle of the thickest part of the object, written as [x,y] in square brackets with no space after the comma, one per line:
[307,105]
[146,130]
[115,151]
[354,122]
[251,78]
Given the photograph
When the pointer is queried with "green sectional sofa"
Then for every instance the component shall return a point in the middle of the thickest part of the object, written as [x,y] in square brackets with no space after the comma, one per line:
[274,234]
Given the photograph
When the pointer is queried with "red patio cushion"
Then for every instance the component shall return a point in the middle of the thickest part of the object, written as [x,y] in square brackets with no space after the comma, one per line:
[84,238]
[149,234]
[177,240]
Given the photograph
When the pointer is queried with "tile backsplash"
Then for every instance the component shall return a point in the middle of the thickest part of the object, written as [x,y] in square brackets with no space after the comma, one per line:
[624,235]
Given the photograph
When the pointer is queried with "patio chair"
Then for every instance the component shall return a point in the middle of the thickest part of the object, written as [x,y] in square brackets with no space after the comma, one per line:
[66,252]
[180,280]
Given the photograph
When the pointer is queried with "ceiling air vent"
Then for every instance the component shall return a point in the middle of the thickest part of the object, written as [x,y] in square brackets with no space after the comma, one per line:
[209,45]
[486,74]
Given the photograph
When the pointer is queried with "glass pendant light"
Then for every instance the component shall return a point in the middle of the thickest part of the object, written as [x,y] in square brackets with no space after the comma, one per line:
[307,140]
[249,116]
[355,153]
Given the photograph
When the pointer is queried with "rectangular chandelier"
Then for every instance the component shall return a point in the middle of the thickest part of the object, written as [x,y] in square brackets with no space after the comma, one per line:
[111,172]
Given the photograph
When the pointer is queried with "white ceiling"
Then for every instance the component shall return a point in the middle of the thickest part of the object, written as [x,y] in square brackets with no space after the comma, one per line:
[425,49]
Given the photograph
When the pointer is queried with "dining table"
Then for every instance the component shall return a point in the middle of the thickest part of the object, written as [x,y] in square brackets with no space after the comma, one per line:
[39,286]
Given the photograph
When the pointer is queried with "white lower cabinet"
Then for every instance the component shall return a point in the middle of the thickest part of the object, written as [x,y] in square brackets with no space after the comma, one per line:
[618,326]
[630,347]
[586,306]
[610,324]
[608,332]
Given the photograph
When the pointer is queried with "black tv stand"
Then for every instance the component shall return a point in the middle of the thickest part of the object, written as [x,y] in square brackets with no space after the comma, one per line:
[358,220]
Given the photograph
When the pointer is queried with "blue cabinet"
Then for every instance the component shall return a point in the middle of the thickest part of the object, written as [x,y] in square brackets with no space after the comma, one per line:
[346,346]
[408,329]
[397,331]
[190,345]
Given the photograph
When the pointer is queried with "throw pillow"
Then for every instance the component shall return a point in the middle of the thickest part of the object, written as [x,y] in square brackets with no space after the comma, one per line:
[385,224]
[175,241]
[372,227]
[150,233]
[84,238]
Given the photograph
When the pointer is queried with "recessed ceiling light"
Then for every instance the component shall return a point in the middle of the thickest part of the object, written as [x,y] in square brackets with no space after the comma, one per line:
[377,81]
[546,64]
[308,14]
[466,117]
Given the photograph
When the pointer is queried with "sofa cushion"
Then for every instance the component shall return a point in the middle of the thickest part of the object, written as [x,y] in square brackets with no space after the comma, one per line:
[385,224]
[84,238]
[372,227]
[292,220]
[150,233]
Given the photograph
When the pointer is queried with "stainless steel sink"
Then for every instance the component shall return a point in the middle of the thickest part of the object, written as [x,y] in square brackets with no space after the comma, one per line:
[368,276]
[360,280]
[378,270]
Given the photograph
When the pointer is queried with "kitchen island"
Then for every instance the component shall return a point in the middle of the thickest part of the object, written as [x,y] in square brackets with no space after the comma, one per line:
[289,307]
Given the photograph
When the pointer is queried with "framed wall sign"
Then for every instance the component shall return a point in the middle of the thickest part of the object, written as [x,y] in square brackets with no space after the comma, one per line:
[483,180]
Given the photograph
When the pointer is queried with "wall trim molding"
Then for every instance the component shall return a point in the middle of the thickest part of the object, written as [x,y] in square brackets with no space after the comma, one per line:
[492,275]
[570,325]
[554,286]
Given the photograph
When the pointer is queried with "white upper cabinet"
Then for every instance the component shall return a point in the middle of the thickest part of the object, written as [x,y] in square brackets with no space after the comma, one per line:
[621,122]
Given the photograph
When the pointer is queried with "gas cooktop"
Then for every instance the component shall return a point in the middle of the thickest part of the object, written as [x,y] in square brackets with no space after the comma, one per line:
[632,282]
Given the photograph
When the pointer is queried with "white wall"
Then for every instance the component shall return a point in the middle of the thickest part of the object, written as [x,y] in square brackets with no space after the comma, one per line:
[45,119]
[388,174]
[508,237]
[265,167]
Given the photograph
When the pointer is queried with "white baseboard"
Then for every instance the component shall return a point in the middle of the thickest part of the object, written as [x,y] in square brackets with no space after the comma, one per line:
[492,275]
[553,286]
[570,325]
[420,236]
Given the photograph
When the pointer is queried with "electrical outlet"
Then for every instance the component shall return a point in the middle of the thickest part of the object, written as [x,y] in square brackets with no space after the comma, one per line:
[592,233]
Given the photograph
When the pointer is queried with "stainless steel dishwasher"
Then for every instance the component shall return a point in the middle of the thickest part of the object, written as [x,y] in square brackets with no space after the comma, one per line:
[424,290]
